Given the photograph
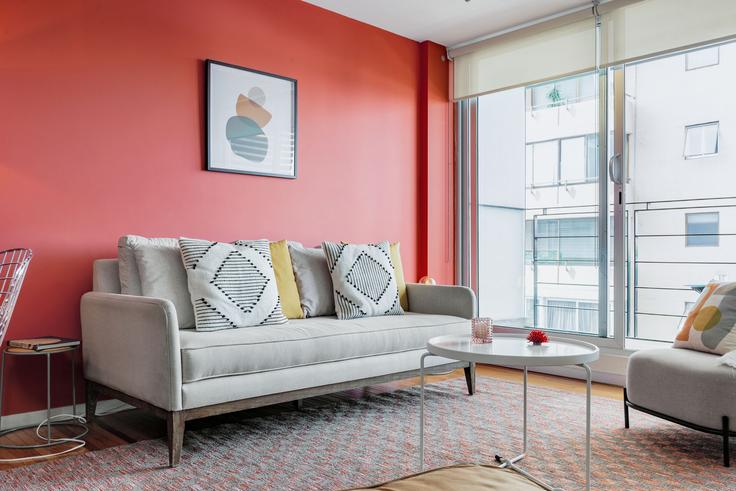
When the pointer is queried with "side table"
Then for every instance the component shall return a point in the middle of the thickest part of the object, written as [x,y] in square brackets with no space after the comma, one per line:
[48,440]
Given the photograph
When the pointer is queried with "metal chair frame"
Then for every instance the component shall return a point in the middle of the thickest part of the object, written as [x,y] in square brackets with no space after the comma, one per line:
[13,267]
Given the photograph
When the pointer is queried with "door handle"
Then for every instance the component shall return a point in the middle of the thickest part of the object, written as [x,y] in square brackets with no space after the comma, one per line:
[614,168]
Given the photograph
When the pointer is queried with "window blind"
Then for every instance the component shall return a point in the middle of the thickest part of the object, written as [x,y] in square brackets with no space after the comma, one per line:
[525,56]
[653,27]
[630,30]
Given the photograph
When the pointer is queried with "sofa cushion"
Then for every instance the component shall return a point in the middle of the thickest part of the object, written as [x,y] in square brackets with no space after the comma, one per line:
[284,272]
[308,341]
[231,285]
[399,273]
[162,275]
[130,281]
[711,325]
[312,280]
[682,383]
[363,279]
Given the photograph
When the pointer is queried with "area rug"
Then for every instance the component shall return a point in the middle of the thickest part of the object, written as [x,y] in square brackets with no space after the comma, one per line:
[372,440]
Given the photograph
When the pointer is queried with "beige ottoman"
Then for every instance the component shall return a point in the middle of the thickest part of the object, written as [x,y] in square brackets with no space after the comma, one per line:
[465,477]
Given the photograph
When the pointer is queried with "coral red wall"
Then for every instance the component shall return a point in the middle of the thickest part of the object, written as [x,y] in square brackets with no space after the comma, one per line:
[436,193]
[102,134]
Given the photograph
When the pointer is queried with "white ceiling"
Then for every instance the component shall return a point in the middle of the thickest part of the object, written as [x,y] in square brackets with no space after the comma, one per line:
[447,22]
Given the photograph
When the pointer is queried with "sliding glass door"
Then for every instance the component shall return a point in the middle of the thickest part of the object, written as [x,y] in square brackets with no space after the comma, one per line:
[680,195]
[599,204]
[542,206]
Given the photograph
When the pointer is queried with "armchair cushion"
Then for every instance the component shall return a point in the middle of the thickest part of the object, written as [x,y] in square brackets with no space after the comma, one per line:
[684,384]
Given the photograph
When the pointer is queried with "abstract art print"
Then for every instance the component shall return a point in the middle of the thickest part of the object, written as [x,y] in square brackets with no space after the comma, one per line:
[251,121]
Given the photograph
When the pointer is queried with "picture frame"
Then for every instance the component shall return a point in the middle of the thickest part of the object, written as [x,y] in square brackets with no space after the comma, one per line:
[251,121]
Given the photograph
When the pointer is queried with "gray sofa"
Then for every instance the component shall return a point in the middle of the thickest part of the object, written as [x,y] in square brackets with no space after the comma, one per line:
[687,387]
[135,351]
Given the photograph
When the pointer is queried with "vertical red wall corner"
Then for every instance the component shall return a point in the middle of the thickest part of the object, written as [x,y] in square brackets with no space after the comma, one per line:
[435,254]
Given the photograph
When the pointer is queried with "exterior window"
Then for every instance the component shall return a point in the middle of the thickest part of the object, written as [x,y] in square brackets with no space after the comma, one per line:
[701,229]
[563,161]
[565,91]
[572,160]
[591,157]
[561,315]
[701,140]
[588,317]
[568,239]
[545,158]
[702,58]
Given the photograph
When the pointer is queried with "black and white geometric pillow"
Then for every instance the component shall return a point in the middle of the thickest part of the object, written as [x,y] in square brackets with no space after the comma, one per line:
[363,279]
[231,285]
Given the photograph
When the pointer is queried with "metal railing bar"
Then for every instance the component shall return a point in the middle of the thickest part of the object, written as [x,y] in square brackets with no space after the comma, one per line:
[723,263]
[663,288]
[568,308]
[660,315]
[685,235]
[566,284]
[685,200]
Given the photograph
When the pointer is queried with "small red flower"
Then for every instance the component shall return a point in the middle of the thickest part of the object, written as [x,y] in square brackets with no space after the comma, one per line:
[537,336]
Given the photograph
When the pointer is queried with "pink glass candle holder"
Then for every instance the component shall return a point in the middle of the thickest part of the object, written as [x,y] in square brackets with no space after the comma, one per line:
[482,330]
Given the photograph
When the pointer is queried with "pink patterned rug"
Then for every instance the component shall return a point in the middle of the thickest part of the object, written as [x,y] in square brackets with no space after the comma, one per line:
[375,440]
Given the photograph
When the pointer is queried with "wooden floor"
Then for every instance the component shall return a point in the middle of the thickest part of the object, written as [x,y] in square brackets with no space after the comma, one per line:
[135,425]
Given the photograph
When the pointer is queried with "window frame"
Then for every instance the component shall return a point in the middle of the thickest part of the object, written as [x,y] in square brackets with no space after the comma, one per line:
[688,68]
[688,127]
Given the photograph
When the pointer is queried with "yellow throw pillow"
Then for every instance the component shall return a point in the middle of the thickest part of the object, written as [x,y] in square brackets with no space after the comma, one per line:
[290,303]
[399,273]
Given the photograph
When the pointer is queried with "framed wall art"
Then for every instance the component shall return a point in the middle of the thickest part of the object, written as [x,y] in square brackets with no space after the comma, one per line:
[251,121]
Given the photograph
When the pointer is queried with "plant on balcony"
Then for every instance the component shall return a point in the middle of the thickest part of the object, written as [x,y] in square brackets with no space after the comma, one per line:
[555,96]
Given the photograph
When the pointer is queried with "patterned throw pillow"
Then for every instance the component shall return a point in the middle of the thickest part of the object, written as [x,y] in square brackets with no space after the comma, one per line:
[363,279]
[231,285]
[711,324]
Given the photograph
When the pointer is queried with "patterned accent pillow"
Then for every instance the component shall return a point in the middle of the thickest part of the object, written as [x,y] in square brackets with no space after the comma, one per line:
[363,279]
[231,285]
[711,324]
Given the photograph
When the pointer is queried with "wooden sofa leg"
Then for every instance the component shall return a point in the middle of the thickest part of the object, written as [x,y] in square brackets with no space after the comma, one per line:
[90,402]
[626,410]
[726,446]
[470,377]
[175,426]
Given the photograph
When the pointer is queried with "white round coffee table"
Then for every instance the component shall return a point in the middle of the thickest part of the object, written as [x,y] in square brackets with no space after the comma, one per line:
[514,350]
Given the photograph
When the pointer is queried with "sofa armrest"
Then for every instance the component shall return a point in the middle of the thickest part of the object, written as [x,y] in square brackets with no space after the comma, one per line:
[441,299]
[131,344]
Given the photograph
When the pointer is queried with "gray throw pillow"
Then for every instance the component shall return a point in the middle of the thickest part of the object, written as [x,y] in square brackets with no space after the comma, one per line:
[231,285]
[312,280]
[162,275]
[130,280]
[363,279]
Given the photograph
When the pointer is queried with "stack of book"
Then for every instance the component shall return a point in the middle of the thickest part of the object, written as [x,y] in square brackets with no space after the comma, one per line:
[43,343]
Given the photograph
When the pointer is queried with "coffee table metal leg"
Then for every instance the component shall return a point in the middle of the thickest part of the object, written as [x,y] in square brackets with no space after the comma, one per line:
[526,409]
[508,462]
[587,424]
[421,411]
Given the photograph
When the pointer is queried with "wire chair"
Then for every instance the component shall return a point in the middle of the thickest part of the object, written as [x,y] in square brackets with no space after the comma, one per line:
[13,267]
